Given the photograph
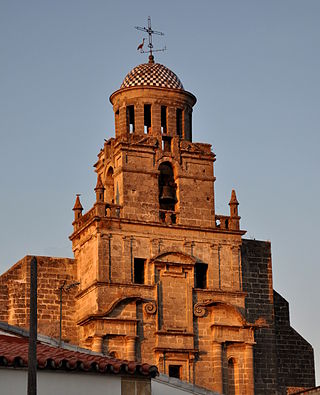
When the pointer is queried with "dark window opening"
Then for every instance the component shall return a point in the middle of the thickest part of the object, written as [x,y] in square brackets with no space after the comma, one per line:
[139,270]
[167,187]
[147,118]
[117,120]
[166,144]
[109,191]
[130,118]
[190,126]
[179,122]
[231,378]
[163,119]
[201,275]
[175,371]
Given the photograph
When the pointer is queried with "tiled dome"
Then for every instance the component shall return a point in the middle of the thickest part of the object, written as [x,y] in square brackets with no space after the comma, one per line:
[152,74]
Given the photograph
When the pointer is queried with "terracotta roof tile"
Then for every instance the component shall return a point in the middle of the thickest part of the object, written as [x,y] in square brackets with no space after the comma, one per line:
[14,353]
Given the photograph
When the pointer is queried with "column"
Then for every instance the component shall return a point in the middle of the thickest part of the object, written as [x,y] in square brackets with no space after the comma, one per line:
[172,121]
[139,118]
[123,125]
[156,119]
[217,363]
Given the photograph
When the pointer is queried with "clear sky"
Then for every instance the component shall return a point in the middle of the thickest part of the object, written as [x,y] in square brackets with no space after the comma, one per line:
[254,68]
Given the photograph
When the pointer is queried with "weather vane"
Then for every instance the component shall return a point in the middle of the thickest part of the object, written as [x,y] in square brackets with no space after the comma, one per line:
[150,45]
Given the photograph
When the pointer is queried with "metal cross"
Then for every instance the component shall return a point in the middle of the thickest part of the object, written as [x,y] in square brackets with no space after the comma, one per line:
[150,33]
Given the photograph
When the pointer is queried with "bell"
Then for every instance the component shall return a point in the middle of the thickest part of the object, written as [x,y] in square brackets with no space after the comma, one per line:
[168,194]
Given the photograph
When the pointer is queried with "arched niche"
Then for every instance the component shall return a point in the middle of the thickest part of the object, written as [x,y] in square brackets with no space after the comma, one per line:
[231,376]
[109,188]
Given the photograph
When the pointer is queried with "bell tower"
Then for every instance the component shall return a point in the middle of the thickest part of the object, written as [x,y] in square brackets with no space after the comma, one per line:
[159,271]
[155,166]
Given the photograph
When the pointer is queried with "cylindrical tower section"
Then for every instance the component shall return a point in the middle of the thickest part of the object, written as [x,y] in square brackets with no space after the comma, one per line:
[152,100]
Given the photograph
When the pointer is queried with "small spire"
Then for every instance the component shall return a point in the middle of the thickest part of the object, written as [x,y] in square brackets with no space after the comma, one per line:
[233,199]
[151,58]
[99,184]
[99,189]
[77,204]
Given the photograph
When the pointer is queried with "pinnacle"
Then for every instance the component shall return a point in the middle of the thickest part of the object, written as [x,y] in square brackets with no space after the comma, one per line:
[99,183]
[77,204]
[233,199]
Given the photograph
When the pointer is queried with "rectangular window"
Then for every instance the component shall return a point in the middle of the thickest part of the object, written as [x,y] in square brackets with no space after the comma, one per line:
[139,270]
[163,119]
[179,122]
[175,371]
[201,275]
[130,118]
[147,118]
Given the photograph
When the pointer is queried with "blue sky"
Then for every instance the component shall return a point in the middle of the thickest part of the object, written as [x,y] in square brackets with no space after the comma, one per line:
[254,68]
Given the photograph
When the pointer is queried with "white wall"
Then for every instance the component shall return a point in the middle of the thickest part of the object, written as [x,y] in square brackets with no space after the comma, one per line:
[164,385]
[158,388]
[14,382]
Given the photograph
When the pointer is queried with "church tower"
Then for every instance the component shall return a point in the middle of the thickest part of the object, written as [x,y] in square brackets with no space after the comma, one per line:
[160,271]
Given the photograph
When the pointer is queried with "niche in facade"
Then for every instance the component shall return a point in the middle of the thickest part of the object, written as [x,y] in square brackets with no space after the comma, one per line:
[231,377]
[167,187]
[109,191]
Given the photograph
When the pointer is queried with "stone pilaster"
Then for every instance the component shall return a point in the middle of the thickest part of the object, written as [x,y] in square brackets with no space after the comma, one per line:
[249,375]
[97,343]
[214,275]
[218,367]
[139,118]
[156,119]
[131,348]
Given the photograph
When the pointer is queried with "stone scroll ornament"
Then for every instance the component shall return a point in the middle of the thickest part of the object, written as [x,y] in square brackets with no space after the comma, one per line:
[150,307]
[199,310]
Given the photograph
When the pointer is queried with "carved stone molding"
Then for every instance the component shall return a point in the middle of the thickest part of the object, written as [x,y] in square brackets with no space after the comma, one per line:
[150,307]
[199,310]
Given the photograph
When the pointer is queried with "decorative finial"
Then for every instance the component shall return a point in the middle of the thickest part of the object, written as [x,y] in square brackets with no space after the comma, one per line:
[99,189]
[77,208]
[99,183]
[150,45]
[233,199]
[77,204]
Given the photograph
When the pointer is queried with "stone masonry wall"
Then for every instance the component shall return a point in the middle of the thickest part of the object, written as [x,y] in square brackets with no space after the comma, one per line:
[283,360]
[257,282]
[52,273]
[294,353]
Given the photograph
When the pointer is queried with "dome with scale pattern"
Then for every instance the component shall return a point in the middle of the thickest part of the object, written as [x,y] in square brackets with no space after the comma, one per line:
[151,74]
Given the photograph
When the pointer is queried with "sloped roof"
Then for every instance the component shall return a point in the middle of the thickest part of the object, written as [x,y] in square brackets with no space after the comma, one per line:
[14,353]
